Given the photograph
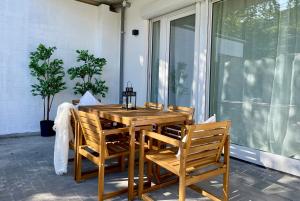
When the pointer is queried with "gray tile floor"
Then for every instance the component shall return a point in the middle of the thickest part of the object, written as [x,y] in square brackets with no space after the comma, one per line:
[26,173]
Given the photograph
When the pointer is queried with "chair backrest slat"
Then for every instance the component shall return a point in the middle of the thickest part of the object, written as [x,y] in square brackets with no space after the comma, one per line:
[189,111]
[203,147]
[91,144]
[210,153]
[205,142]
[203,161]
[155,106]
[207,133]
[92,130]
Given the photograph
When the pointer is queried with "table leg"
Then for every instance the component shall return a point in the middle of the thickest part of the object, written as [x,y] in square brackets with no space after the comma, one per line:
[131,163]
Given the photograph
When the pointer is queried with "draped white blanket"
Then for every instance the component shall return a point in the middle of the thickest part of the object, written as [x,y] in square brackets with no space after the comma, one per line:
[64,134]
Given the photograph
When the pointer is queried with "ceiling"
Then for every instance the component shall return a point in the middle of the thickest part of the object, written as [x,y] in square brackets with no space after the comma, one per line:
[98,2]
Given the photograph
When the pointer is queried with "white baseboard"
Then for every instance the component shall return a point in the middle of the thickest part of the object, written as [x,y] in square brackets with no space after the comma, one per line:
[273,161]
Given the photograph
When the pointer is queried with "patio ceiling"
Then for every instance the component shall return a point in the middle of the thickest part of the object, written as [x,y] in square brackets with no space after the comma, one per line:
[98,2]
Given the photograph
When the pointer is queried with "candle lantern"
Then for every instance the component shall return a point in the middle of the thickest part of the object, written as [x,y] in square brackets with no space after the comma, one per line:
[129,98]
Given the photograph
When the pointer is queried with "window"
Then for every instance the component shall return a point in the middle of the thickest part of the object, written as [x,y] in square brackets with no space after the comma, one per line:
[255,70]
[172,60]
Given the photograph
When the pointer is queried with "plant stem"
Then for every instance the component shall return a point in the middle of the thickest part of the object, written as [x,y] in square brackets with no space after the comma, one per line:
[51,103]
[84,86]
[48,107]
[44,108]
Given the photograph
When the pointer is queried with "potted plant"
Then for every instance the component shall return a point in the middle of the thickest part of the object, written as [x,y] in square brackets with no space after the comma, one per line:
[89,74]
[49,75]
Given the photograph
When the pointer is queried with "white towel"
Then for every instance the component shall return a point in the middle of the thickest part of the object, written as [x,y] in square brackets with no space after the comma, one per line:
[64,134]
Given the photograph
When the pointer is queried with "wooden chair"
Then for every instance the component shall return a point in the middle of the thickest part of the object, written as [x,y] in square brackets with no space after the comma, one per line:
[174,130]
[199,158]
[97,149]
[155,106]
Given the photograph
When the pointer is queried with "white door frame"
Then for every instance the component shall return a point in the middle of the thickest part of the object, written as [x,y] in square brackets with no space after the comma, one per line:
[165,21]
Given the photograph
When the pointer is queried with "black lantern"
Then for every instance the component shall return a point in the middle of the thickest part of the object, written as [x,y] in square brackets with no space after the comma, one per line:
[129,98]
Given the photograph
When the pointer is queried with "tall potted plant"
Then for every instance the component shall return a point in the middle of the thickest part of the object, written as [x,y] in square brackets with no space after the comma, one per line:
[88,74]
[49,75]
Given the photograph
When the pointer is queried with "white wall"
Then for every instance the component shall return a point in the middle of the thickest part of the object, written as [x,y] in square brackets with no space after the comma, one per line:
[136,49]
[108,45]
[68,25]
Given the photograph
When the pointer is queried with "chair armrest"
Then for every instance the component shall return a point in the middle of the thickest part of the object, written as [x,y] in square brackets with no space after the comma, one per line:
[161,137]
[115,131]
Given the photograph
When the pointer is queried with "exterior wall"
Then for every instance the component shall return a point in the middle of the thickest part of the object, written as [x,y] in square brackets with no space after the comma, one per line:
[68,25]
[108,46]
[136,49]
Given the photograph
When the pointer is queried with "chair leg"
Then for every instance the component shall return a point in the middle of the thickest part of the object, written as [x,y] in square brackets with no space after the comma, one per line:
[226,174]
[78,157]
[78,167]
[75,165]
[141,174]
[75,151]
[122,163]
[101,182]
[149,171]
[157,173]
[225,185]
[182,188]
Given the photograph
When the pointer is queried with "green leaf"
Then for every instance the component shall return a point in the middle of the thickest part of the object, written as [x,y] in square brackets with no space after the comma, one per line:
[49,74]
[88,74]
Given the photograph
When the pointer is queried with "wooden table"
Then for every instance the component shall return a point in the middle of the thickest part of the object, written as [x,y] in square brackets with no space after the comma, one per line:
[134,119]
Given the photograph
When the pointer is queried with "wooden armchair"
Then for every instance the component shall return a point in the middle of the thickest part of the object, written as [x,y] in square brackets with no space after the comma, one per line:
[200,149]
[155,106]
[97,149]
[174,130]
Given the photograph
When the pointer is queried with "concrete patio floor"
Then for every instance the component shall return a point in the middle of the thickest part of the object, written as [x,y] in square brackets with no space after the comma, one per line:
[26,173]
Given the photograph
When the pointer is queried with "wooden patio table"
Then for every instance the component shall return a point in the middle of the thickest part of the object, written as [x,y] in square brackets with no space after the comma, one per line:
[134,119]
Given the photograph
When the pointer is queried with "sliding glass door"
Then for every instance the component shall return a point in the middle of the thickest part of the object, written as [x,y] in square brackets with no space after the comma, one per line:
[172,58]
[155,61]
[181,60]
[255,68]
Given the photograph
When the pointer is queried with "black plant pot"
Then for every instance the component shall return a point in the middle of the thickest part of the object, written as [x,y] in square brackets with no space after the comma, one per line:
[46,128]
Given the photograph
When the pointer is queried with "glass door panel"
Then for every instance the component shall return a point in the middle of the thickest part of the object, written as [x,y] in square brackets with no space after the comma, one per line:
[155,61]
[181,61]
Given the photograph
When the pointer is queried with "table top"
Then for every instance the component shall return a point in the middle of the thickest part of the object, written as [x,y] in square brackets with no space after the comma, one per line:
[140,116]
